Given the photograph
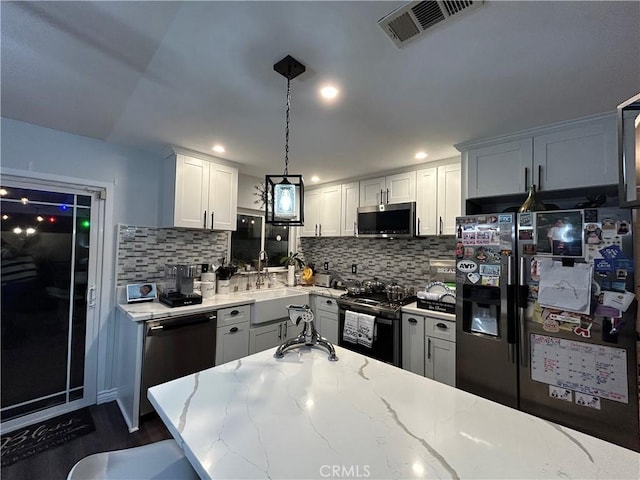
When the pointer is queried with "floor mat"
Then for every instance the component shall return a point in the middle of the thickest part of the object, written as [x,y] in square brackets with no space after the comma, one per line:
[25,442]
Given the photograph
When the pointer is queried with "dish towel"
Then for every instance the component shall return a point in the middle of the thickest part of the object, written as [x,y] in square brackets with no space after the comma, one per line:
[366,324]
[350,330]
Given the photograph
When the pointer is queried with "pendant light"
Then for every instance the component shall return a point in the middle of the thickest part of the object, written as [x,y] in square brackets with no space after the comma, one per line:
[285,193]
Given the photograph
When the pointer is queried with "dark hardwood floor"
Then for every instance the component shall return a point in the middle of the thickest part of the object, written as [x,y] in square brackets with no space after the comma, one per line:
[111,433]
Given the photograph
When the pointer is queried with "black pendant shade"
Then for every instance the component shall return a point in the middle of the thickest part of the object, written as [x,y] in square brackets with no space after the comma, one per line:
[285,193]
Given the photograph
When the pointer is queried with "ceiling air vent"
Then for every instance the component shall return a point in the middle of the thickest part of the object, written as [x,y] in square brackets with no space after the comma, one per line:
[412,20]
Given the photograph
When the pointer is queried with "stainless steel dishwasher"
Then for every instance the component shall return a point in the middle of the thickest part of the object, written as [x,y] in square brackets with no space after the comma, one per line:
[175,347]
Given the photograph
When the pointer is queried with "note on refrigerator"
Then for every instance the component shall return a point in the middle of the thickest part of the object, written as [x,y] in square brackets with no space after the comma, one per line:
[566,288]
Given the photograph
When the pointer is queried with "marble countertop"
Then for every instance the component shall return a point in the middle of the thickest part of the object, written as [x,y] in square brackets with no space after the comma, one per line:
[140,312]
[304,417]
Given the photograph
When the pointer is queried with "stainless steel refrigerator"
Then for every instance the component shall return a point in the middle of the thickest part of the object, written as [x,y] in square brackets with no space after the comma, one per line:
[546,321]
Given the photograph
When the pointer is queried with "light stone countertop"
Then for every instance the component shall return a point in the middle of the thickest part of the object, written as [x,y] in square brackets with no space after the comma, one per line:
[304,417]
[140,312]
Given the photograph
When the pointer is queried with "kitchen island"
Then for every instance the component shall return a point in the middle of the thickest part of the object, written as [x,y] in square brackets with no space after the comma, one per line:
[304,417]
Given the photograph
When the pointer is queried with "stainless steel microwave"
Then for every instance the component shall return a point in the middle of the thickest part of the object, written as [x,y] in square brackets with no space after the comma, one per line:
[396,220]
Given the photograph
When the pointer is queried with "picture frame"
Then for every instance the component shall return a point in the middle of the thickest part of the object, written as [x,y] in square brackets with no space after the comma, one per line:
[141,292]
[559,233]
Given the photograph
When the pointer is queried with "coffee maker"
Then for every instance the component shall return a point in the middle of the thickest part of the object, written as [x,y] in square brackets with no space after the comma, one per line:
[179,286]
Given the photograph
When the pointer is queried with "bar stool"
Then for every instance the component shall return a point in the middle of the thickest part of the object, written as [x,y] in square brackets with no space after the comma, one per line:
[159,460]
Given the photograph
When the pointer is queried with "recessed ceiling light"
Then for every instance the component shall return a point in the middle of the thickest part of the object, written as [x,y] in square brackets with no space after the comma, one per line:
[329,92]
[421,155]
[315,178]
[218,149]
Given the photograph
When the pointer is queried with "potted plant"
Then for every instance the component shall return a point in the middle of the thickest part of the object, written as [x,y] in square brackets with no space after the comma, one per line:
[292,261]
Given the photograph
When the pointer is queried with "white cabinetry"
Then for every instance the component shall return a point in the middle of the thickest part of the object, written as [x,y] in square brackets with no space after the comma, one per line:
[199,194]
[232,336]
[413,358]
[390,189]
[271,335]
[322,208]
[438,199]
[440,346]
[350,203]
[326,317]
[580,153]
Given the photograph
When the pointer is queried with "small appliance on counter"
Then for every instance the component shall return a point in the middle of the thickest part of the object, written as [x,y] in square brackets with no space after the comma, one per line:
[323,279]
[179,286]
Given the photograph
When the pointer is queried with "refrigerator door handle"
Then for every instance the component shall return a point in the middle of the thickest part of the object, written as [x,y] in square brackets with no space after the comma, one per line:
[511,355]
[524,350]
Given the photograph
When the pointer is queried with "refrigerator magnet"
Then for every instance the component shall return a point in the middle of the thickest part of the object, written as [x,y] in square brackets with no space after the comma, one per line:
[551,326]
[560,393]
[585,400]
[584,332]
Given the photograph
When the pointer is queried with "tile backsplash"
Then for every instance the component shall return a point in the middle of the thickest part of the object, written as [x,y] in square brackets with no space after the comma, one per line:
[144,251]
[405,261]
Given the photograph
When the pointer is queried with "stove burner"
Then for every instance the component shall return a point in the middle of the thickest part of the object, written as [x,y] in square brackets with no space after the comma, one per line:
[373,303]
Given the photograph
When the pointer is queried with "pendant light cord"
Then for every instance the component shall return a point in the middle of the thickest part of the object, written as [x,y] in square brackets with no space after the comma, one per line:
[286,134]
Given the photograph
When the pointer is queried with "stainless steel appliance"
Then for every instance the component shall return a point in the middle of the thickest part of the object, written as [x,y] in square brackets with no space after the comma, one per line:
[537,323]
[395,220]
[178,290]
[175,347]
[322,279]
[386,345]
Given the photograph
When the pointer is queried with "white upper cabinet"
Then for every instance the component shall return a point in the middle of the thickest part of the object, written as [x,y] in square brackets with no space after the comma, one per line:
[582,156]
[438,199]
[322,207]
[390,189]
[500,169]
[576,154]
[350,203]
[199,194]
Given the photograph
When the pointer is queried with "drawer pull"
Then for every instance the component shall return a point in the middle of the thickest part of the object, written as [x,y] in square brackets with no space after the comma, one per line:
[234,312]
[329,302]
[233,329]
[413,321]
[441,325]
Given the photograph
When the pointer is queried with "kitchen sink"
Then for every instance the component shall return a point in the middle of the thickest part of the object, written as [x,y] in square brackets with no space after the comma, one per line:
[272,304]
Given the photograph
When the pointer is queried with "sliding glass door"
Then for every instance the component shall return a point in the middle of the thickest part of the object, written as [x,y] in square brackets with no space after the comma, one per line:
[49,267]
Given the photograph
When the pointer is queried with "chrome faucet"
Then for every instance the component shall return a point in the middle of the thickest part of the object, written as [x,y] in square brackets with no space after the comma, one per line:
[262,272]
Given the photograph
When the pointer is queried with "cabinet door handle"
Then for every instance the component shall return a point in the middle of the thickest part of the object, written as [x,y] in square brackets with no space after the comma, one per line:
[212,220]
[316,233]
[329,302]
[418,227]
[440,225]
[429,348]
[526,178]
[387,195]
[381,201]
[286,330]
[320,231]
[233,313]
[280,332]
[204,220]
[413,321]
[355,228]
[539,177]
[233,329]
[441,325]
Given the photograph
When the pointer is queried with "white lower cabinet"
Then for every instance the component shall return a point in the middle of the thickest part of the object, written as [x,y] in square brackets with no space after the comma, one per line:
[326,317]
[271,335]
[440,346]
[232,335]
[429,347]
[413,358]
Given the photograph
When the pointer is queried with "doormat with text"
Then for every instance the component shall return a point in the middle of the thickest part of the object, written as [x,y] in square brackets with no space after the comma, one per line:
[25,442]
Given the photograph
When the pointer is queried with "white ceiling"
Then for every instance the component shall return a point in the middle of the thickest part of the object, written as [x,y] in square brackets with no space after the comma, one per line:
[192,74]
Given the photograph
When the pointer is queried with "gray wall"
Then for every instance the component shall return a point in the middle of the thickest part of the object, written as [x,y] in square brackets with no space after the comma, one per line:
[135,174]
[405,261]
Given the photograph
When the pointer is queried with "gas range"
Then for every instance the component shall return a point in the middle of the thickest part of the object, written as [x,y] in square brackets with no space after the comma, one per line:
[375,304]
